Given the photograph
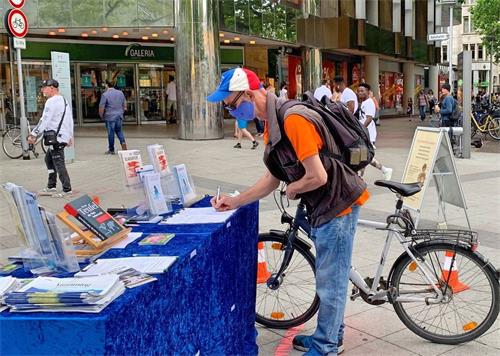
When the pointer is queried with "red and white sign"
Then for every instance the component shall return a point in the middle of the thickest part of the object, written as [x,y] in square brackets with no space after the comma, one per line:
[17,3]
[17,23]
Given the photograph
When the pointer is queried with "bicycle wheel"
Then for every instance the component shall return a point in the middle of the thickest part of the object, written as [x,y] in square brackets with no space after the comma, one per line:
[494,128]
[295,301]
[471,293]
[11,143]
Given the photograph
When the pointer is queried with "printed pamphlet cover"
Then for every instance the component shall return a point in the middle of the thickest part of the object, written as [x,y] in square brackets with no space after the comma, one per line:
[154,194]
[158,158]
[131,160]
[95,218]
[187,191]
[157,239]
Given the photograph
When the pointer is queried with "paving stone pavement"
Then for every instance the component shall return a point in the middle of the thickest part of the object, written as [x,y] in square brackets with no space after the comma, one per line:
[370,330]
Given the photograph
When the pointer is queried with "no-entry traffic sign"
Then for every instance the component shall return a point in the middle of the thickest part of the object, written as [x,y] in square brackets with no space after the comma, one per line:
[17,23]
[17,3]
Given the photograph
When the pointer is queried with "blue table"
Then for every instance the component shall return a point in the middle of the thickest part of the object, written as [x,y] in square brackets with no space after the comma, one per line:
[205,302]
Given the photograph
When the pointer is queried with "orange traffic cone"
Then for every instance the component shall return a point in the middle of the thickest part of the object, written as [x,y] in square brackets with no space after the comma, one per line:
[450,274]
[262,273]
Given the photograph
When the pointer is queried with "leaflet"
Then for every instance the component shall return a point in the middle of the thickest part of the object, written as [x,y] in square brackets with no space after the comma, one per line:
[149,265]
[198,216]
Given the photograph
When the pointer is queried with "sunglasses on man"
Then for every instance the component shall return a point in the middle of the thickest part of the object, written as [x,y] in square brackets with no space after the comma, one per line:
[232,106]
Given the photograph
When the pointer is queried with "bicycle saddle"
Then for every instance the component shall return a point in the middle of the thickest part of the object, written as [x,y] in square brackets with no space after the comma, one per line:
[405,189]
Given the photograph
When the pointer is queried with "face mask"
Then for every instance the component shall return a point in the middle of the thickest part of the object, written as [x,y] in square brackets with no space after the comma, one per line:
[244,111]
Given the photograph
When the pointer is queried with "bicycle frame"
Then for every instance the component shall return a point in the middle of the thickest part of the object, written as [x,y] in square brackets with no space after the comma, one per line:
[481,128]
[372,292]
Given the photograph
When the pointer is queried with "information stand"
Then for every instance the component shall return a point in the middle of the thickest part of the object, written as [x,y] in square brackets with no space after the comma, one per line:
[431,155]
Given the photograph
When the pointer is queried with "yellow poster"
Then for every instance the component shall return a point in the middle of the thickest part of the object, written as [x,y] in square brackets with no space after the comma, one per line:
[420,164]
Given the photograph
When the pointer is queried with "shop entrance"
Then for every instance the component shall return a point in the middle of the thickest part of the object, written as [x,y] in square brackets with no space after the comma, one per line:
[153,80]
[92,79]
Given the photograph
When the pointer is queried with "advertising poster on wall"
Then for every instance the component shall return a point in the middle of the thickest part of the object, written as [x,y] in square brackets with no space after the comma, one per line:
[294,76]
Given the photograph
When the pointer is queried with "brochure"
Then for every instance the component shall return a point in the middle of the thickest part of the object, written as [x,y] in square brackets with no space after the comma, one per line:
[158,158]
[157,239]
[131,160]
[187,191]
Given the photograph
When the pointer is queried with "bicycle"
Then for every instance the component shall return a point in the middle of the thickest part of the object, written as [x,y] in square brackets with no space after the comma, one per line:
[11,143]
[483,121]
[440,287]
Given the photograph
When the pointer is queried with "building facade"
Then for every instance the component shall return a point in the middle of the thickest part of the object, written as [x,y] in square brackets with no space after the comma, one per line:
[139,44]
[467,39]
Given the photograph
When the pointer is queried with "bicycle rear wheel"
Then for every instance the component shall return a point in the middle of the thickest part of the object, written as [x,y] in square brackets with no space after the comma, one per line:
[494,128]
[11,143]
[294,301]
[471,293]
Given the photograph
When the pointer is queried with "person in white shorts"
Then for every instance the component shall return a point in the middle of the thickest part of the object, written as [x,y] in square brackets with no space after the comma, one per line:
[366,115]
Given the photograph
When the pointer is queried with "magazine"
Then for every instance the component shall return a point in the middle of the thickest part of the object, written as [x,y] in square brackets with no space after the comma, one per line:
[183,181]
[154,194]
[158,158]
[131,160]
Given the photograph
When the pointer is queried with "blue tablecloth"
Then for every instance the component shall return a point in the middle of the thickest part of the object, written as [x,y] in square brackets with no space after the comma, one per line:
[204,303]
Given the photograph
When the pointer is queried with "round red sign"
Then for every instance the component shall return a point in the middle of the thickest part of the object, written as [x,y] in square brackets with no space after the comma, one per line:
[17,23]
[17,3]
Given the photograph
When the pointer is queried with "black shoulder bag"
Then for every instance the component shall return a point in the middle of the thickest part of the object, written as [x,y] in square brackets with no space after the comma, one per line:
[50,136]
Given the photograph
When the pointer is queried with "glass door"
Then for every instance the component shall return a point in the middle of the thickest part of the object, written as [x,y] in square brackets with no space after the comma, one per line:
[151,93]
[92,85]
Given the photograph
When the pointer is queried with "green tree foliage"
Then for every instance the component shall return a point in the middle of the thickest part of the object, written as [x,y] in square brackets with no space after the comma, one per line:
[486,20]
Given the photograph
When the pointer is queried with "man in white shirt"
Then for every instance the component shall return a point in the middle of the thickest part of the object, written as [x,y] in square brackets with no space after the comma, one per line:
[56,113]
[347,96]
[366,116]
[171,100]
[322,91]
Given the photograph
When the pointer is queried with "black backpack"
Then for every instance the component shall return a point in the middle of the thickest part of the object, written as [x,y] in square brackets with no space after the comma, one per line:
[352,138]
[456,114]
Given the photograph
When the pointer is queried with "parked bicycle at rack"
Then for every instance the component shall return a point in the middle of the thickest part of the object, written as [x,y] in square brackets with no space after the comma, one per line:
[11,143]
[486,120]
[440,287]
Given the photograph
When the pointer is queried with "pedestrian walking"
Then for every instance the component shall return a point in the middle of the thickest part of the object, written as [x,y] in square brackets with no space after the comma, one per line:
[409,108]
[57,122]
[422,104]
[171,101]
[367,113]
[377,108]
[112,109]
[332,193]
[242,130]
[284,91]
[347,95]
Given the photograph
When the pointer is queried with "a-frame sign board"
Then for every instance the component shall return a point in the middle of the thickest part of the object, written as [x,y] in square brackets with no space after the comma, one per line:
[431,156]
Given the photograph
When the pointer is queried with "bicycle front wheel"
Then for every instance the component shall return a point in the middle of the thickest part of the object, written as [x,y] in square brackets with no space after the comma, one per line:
[11,143]
[494,128]
[471,294]
[294,301]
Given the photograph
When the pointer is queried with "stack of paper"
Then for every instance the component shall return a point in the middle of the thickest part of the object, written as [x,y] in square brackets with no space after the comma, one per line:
[149,265]
[198,216]
[48,294]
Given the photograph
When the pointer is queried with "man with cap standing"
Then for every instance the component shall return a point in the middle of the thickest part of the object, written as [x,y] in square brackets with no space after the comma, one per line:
[332,192]
[57,116]
[347,96]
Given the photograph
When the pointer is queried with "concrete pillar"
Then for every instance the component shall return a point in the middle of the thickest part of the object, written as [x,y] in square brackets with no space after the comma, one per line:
[312,73]
[372,72]
[197,69]
[434,80]
[408,83]
[475,79]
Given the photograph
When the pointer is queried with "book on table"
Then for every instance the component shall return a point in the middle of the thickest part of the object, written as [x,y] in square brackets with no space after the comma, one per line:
[158,158]
[93,217]
[131,160]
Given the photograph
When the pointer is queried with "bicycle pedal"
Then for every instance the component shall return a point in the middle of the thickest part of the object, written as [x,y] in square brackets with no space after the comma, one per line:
[355,293]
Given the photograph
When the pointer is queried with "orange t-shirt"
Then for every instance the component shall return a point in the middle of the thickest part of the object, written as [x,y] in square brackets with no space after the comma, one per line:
[307,142]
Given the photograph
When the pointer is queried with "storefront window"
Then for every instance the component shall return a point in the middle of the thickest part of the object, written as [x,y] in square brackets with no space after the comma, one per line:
[151,93]
[391,90]
[92,84]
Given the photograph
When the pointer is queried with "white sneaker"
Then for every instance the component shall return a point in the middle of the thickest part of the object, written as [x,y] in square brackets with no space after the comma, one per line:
[63,194]
[47,192]
[387,173]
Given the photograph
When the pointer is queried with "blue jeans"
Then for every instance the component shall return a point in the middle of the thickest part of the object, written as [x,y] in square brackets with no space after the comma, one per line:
[333,242]
[422,112]
[114,126]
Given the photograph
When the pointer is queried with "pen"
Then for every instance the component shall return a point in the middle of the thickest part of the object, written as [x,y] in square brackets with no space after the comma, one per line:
[218,195]
[145,255]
